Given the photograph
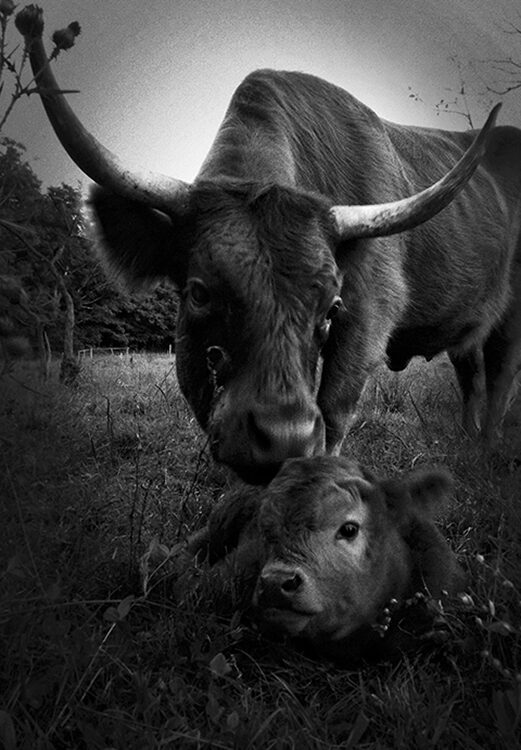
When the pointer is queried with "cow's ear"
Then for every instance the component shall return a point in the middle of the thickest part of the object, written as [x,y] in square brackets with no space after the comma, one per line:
[138,243]
[228,520]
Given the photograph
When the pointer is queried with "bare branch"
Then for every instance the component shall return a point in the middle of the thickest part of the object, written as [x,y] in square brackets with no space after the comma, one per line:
[506,90]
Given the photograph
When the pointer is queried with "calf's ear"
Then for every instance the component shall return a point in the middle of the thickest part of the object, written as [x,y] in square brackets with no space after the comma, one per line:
[141,245]
[430,490]
[426,491]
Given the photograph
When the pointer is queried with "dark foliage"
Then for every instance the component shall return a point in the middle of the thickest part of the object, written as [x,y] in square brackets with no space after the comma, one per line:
[45,253]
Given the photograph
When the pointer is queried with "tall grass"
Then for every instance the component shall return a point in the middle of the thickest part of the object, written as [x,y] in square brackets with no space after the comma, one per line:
[91,475]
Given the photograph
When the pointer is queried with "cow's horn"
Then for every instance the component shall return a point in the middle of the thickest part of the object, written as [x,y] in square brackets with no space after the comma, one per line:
[100,164]
[389,218]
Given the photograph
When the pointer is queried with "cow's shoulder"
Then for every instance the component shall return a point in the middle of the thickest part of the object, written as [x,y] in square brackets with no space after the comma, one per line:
[503,155]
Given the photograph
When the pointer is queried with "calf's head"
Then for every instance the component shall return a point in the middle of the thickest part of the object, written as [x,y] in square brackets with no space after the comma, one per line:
[336,546]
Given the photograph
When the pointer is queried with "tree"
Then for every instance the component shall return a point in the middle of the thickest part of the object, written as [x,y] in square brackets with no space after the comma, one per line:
[15,180]
[61,223]
[468,97]
[19,194]
[508,68]
[12,345]
[480,82]
[150,321]
[67,298]
[44,252]
[36,230]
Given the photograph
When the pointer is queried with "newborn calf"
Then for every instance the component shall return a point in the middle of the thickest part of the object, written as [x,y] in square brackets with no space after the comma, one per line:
[325,548]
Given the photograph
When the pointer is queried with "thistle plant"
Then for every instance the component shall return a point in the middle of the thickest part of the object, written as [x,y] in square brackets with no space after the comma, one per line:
[13,62]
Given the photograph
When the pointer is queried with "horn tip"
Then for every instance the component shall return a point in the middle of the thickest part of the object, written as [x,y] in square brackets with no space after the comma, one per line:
[491,119]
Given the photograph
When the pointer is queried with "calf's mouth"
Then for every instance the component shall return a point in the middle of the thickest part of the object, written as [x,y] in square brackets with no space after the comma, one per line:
[290,621]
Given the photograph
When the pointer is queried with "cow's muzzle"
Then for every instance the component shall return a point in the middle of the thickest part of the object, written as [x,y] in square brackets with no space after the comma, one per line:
[255,441]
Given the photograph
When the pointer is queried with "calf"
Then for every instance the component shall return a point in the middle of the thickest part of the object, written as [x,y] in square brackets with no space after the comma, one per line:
[326,549]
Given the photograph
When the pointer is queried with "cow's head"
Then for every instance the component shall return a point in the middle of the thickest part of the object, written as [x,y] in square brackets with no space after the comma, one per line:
[256,273]
[258,288]
[337,546]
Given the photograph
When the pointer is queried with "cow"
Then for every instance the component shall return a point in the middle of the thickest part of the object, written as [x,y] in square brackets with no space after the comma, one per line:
[311,246]
[332,557]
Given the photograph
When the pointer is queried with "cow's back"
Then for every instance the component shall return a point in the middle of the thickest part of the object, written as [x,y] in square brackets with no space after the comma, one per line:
[460,262]
[299,130]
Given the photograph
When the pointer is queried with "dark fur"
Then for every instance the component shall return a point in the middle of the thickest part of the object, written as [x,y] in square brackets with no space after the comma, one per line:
[259,234]
[283,525]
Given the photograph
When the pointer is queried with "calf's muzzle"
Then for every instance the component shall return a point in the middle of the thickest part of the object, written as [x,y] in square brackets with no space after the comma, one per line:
[280,586]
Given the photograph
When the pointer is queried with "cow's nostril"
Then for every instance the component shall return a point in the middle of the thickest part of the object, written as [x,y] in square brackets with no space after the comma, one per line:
[291,584]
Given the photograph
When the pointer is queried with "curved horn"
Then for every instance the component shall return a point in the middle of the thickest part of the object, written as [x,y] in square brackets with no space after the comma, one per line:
[382,219]
[100,164]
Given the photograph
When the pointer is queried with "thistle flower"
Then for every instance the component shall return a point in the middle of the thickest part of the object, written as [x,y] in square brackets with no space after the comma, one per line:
[29,21]
[6,7]
[64,38]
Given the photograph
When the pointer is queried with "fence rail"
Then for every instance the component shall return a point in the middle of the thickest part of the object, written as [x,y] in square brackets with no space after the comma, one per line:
[103,350]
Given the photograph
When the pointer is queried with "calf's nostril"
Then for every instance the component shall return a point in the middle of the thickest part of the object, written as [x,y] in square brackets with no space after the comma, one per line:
[279,587]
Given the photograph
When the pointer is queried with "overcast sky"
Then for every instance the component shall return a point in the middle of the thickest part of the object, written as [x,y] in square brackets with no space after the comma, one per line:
[155,77]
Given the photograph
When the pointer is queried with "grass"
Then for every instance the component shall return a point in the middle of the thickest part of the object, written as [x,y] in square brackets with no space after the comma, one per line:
[92,476]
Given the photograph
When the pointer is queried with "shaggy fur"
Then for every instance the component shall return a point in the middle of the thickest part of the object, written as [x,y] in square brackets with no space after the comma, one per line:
[256,231]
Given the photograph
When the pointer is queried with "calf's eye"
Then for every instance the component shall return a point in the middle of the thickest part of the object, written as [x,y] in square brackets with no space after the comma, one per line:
[348,530]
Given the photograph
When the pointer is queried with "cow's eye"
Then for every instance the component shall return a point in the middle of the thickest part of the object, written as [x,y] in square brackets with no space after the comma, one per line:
[336,305]
[348,530]
[198,293]
[323,331]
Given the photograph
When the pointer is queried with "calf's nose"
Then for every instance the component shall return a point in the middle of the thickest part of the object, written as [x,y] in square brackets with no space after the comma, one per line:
[277,586]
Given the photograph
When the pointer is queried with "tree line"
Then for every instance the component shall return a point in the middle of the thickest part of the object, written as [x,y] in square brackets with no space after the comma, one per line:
[54,294]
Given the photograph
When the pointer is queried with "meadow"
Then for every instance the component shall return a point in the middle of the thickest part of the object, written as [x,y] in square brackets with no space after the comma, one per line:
[93,476]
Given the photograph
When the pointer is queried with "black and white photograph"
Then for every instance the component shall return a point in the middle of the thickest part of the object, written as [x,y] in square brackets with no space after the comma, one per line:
[260,368]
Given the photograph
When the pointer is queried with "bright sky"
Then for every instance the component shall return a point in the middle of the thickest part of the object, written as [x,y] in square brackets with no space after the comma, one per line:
[155,77]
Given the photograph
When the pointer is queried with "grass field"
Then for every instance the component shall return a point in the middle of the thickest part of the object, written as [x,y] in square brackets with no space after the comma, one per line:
[91,475]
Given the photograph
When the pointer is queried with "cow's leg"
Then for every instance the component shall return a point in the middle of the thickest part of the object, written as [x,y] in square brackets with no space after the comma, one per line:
[470,371]
[502,353]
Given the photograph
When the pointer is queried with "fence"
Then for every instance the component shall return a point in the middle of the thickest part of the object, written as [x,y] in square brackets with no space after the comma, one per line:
[121,350]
